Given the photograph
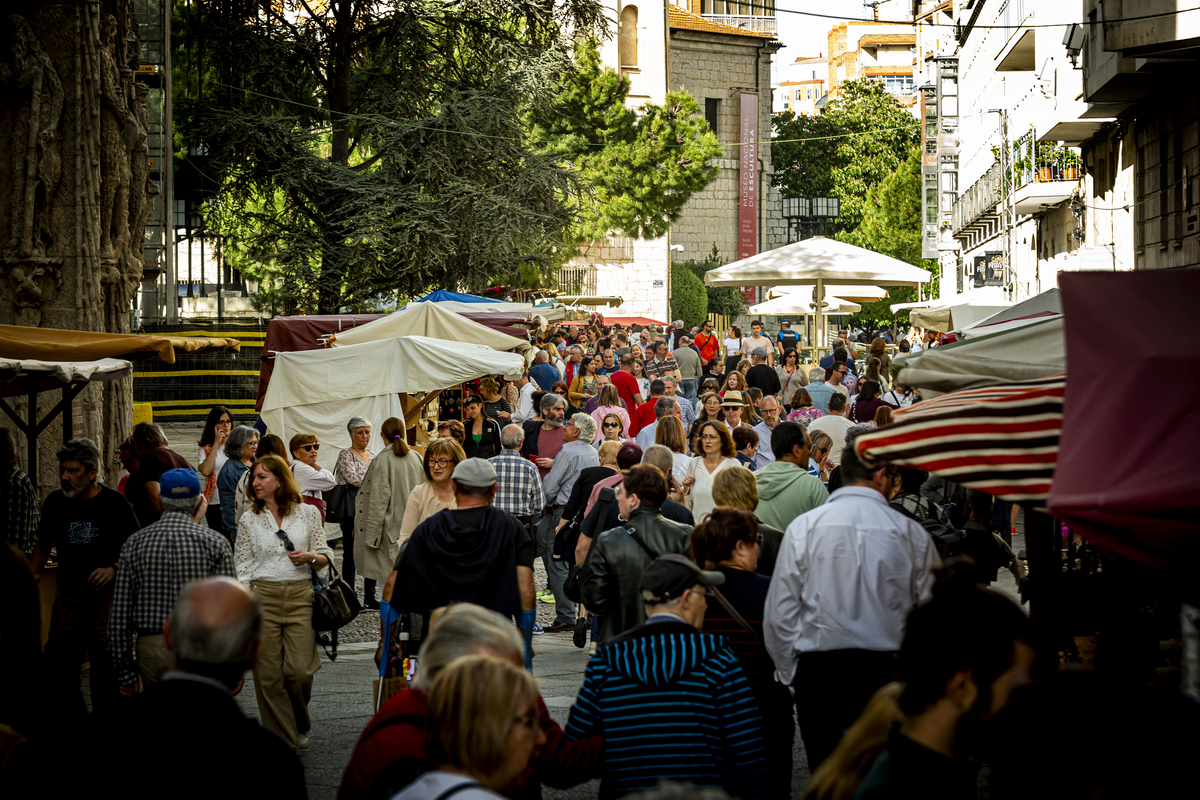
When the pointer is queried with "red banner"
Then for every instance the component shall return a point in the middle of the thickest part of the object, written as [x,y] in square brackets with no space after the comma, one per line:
[748,178]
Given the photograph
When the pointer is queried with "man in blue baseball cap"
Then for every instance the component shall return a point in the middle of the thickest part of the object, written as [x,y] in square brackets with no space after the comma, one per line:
[156,562]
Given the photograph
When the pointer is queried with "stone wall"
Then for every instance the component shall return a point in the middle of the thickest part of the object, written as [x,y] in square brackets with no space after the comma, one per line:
[717,66]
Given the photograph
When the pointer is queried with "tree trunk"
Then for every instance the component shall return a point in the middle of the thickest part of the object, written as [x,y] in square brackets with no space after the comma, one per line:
[74,193]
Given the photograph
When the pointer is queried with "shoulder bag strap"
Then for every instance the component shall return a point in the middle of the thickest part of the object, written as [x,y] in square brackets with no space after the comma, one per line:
[733,611]
[632,531]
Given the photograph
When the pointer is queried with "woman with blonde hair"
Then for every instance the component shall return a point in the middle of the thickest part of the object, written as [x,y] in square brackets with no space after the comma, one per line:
[610,403]
[838,777]
[280,543]
[494,405]
[436,493]
[670,434]
[380,507]
[734,382]
[482,731]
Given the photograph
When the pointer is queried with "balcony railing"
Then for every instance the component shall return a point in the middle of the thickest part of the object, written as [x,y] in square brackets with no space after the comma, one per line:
[976,201]
[745,22]
[1042,162]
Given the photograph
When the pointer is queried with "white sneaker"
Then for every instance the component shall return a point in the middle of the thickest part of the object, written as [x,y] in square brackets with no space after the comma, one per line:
[304,739]
[592,649]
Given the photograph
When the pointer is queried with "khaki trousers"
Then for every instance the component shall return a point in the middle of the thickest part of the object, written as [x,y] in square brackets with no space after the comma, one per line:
[283,676]
[153,658]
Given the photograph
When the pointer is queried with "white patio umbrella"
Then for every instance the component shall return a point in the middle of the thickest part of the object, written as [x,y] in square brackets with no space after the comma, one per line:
[801,301]
[818,262]
[855,294]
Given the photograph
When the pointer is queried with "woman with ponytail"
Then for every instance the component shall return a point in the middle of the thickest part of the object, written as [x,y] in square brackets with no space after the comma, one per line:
[380,505]
[727,540]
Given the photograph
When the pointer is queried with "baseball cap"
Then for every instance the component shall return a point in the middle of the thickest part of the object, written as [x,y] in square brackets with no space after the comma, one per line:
[474,472]
[179,484]
[667,576]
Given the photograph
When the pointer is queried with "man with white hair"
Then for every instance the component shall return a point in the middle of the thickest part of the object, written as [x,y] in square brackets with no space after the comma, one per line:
[576,455]
[213,635]
[156,562]
[574,358]
[518,485]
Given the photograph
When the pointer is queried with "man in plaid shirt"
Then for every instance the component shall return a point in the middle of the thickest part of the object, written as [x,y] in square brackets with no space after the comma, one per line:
[156,562]
[518,484]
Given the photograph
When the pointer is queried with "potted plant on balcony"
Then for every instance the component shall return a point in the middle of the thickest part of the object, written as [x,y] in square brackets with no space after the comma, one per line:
[1048,156]
[1070,165]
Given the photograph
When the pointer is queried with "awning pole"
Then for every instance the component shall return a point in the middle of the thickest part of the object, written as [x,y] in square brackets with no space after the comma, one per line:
[819,311]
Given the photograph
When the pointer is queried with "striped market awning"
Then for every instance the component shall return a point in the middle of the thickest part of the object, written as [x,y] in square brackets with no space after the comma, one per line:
[1002,440]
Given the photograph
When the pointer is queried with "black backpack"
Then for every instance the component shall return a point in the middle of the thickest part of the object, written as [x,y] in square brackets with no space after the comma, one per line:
[946,539]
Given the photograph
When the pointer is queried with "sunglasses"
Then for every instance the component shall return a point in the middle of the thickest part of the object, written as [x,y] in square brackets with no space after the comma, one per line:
[287,543]
[310,447]
[612,424]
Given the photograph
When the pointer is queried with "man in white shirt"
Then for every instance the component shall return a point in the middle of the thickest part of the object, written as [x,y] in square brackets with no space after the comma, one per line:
[525,390]
[663,407]
[848,574]
[835,424]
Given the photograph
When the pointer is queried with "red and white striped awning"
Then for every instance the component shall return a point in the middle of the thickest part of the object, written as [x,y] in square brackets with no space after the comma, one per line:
[1002,440]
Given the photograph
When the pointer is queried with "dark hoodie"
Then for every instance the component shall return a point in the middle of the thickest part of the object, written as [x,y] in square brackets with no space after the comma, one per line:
[464,556]
[671,703]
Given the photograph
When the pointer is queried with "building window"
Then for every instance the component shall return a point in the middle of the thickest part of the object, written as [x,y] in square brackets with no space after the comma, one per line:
[898,84]
[627,46]
[712,106]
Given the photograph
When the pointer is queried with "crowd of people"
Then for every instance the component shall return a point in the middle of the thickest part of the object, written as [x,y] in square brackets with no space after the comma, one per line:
[739,577]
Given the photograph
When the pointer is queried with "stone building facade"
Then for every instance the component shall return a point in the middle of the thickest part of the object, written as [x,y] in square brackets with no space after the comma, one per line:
[663,47]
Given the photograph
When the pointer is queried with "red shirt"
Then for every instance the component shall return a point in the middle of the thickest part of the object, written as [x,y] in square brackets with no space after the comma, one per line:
[549,443]
[642,417]
[708,347]
[627,387]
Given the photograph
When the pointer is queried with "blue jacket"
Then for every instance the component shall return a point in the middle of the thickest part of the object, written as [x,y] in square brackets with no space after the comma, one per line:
[544,375]
[671,703]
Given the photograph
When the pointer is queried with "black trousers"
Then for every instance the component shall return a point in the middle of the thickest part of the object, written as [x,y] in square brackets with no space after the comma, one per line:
[832,688]
[780,730]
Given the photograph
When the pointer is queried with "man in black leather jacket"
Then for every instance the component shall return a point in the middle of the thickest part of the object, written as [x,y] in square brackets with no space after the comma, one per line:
[620,555]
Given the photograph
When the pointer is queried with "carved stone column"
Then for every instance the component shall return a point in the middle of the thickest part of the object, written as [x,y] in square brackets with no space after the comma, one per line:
[73,189]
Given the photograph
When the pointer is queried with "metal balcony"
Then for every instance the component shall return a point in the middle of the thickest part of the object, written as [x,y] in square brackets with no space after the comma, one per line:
[979,204]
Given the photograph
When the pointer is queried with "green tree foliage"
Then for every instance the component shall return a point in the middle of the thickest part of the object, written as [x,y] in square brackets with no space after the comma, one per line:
[689,302]
[378,145]
[640,168]
[860,139]
[892,226]
[723,300]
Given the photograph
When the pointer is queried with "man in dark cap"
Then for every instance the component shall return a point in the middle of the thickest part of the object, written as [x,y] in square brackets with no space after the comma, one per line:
[697,719]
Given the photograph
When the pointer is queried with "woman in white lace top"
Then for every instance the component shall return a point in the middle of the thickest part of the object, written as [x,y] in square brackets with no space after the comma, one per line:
[280,543]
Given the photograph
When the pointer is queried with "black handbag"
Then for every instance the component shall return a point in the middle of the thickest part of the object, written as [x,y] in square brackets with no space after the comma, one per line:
[339,503]
[578,573]
[334,602]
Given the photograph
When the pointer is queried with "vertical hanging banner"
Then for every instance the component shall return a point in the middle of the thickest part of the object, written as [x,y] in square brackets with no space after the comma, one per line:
[748,177]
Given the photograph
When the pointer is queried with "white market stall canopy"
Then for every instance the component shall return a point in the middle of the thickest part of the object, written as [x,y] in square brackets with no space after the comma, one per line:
[818,261]
[318,391]
[957,312]
[855,294]
[1036,350]
[800,301]
[1045,304]
[104,369]
[433,320]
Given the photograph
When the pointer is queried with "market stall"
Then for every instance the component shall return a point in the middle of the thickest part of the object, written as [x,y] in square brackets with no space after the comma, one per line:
[318,391]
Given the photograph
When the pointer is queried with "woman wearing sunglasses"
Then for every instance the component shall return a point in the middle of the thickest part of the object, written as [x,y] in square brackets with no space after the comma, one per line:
[280,543]
[310,477]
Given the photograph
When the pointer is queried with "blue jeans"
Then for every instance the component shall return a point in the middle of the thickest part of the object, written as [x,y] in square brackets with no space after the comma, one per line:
[688,389]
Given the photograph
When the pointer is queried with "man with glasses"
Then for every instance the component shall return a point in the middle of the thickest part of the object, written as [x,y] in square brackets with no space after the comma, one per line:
[696,717]
[848,574]
[687,411]
[770,415]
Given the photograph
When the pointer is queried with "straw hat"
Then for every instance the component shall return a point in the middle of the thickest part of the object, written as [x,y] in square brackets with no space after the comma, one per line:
[733,399]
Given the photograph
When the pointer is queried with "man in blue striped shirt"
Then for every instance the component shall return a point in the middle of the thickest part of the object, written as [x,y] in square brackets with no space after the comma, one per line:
[672,703]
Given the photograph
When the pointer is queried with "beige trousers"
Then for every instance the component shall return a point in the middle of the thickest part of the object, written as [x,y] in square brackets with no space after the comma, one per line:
[283,676]
[153,659]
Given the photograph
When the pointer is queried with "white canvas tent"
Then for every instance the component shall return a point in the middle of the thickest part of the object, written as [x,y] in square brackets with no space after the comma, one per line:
[1043,305]
[1032,351]
[855,294]
[818,262]
[957,312]
[432,320]
[318,391]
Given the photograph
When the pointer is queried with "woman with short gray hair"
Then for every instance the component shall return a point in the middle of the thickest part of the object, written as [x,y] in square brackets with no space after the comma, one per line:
[350,469]
[240,447]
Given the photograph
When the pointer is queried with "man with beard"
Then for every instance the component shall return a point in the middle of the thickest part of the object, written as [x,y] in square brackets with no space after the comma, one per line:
[963,654]
[88,524]
[544,437]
